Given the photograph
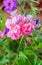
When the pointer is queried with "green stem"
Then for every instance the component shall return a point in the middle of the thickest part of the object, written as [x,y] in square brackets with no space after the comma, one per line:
[15,59]
[20,42]
[18,50]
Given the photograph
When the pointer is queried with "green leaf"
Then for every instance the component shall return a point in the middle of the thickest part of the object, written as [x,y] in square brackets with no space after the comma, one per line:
[31,56]
[40,45]
[22,60]
[39,62]
[4,60]
[2,21]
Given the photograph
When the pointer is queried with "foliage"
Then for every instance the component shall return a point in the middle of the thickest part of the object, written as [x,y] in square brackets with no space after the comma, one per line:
[26,11]
[2,21]
[16,53]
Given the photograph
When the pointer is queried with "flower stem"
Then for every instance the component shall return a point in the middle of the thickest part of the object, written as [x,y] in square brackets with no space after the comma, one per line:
[18,50]
[20,42]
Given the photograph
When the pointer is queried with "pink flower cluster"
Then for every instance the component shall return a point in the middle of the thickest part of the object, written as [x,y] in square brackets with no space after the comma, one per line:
[19,25]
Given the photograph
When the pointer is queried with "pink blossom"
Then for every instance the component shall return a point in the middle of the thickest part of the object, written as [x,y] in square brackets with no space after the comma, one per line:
[23,28]
[14,34]
[30,28]
[27,28]
[18,25]
[20,18]
[9,24]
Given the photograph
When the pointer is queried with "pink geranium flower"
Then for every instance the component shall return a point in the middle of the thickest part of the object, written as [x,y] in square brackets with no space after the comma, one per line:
[14,34]
[18,26]
[10,24]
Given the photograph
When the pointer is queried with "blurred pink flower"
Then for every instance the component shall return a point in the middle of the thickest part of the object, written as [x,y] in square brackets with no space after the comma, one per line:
[14,34]
[30,28]
[27,28]
[18,25]
[9,24]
